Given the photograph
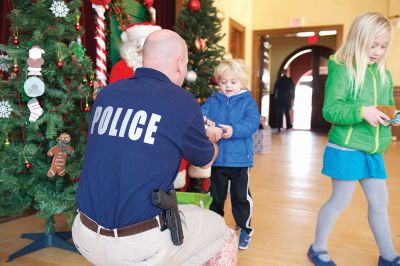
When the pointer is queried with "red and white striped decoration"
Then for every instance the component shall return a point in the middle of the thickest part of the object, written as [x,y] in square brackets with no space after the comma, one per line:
[101,59]
[200,44]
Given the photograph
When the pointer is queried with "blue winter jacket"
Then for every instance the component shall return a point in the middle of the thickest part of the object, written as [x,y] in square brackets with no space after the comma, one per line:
[241,113]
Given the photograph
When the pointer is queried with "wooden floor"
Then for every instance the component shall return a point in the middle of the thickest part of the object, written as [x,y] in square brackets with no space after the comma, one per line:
[288,190]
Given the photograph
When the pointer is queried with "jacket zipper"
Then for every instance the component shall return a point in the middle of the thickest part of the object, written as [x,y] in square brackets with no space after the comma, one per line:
[221,149]
[349,135]
[375,103]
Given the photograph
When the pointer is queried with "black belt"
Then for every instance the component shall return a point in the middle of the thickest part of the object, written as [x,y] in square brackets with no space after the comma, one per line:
[123,231]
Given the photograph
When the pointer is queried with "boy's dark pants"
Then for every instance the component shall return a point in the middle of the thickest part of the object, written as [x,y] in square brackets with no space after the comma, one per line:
[242,203]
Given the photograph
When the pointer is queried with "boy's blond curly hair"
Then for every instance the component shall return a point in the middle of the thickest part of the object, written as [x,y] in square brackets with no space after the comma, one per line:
[237,66]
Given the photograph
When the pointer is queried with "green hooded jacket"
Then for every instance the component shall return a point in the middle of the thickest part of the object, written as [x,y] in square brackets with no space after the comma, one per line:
[341,109]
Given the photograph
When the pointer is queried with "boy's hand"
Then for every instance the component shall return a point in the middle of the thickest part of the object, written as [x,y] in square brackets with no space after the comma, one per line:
[373,116]
[228,131]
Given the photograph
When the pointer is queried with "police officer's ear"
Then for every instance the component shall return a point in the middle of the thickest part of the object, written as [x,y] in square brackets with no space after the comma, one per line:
[180,69]
[182,65]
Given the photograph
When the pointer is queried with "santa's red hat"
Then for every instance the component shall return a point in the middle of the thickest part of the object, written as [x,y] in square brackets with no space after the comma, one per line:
[138,30]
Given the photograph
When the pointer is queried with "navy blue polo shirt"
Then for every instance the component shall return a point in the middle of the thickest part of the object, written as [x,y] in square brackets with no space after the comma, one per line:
[139,129]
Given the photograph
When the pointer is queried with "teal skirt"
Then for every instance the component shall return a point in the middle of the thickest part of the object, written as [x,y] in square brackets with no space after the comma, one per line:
[347,164]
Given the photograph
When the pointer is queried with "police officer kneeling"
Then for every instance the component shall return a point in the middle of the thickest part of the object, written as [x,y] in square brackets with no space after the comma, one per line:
[139,130]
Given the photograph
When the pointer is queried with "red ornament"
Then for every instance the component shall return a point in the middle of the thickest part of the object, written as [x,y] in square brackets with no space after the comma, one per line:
[75,180]
[87,108]
[91,84]
[194,5]
[15,40]
[148,3]
[77,26]
[200,44]
[28,165]
[34,1]
[213,80]
[100,2]
[15,69]
[60,63]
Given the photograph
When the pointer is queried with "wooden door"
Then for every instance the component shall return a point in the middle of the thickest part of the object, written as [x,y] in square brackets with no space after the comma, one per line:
[318,123]
[396,130]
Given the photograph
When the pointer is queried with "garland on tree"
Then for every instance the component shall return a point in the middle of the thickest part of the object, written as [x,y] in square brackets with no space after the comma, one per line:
[118,10]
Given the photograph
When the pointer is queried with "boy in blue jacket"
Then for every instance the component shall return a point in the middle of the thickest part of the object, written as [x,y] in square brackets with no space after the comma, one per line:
[233,109]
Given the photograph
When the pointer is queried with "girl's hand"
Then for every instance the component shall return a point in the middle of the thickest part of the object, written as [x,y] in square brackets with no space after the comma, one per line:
[208,122]
[228,131]
[373,116]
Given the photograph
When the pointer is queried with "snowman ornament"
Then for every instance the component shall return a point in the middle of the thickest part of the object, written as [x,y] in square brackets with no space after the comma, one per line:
[35,61]
[34,86]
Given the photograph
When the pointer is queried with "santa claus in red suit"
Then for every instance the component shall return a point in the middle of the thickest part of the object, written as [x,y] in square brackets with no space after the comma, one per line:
[132,38]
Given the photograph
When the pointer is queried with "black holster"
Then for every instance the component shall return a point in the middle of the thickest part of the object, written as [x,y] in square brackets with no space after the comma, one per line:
[167,202]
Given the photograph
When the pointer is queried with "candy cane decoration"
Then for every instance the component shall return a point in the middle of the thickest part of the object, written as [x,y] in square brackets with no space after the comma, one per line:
[101,60]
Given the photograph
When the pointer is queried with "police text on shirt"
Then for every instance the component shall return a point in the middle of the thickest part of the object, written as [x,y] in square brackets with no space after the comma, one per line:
[108,120]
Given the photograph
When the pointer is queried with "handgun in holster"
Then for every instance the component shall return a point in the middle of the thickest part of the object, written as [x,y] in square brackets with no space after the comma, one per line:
[167,202]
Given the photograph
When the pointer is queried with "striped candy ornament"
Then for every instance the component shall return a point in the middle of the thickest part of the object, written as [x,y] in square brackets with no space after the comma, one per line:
[101,59]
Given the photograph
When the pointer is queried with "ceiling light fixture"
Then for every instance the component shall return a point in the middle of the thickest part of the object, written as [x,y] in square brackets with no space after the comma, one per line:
[327,32]
[305,34]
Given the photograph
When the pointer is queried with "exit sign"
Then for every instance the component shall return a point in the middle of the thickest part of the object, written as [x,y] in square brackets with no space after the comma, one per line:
[296,22]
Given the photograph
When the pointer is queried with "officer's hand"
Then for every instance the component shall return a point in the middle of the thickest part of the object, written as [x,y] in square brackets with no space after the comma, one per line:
[214,134]
[208,122]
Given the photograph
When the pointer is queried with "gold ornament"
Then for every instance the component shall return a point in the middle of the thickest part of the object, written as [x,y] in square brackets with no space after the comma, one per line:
[220,15]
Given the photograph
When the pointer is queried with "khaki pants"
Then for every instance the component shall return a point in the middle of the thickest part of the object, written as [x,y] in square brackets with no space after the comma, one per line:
[204,235]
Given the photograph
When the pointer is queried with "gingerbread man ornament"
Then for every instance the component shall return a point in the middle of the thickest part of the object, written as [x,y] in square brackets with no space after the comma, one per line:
[60,153]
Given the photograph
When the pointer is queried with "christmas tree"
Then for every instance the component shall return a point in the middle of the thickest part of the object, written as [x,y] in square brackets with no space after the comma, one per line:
[199,25]
[44,110]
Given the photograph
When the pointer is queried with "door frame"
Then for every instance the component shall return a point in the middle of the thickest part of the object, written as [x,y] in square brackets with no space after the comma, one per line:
[256,44]
[238,43]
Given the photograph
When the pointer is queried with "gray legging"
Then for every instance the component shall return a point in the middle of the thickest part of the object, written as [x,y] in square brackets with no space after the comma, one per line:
[342,190]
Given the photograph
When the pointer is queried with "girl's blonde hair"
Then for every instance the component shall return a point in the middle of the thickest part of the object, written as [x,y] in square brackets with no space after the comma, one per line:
[237,66]
[354,53]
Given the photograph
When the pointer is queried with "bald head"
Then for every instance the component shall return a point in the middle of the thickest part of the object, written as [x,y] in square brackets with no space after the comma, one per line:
[165,51]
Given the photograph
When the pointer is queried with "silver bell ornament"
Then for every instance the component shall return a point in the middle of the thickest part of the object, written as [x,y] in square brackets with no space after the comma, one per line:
[191,76]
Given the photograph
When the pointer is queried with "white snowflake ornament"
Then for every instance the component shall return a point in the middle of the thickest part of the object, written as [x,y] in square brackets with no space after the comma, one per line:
[5,109]
[59,9]
[4,65]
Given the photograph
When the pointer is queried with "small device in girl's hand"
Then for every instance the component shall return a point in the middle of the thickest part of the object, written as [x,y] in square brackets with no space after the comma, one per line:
[394,120]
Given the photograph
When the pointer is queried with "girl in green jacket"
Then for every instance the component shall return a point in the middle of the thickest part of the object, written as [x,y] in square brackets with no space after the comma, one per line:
[357,83]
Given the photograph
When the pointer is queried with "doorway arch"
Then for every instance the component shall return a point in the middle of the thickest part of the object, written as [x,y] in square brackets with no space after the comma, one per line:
[306,59]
